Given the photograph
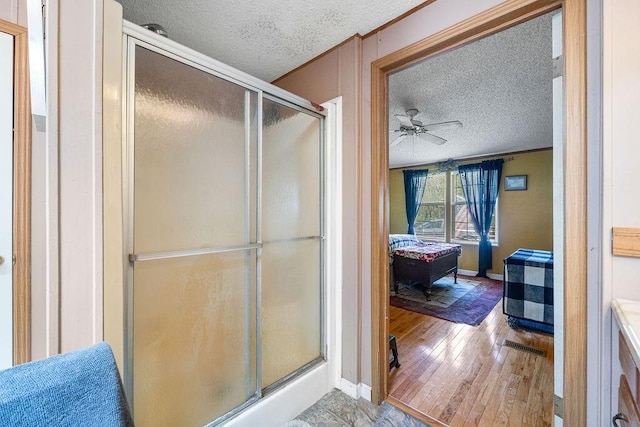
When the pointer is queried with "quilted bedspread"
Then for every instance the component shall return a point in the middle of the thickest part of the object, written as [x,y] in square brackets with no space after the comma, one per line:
[427,251]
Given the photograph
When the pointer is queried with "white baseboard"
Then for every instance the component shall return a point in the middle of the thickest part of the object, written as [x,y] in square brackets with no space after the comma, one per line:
[355,391]
[348,388]
[365,391]
[473,273]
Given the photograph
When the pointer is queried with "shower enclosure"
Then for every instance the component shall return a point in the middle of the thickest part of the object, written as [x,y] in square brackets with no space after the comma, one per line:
[224,213]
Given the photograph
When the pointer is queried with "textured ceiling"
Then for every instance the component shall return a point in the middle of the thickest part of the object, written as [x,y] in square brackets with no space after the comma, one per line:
[264,38]
[499,87]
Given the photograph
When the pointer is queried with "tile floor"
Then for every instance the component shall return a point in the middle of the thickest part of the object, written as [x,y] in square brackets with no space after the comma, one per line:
[337,409]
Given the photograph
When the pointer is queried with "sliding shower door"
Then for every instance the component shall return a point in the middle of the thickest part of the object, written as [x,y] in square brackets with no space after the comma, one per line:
[194,214]
[225,201]
[292,241]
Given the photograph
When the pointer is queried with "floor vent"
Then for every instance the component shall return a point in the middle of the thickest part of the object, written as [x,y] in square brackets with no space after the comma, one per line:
[522,347]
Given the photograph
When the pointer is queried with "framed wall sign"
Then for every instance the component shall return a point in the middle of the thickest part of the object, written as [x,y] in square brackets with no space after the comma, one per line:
[515,182]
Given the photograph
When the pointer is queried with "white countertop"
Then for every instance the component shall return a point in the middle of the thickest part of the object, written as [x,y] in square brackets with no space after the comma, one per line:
[627,313]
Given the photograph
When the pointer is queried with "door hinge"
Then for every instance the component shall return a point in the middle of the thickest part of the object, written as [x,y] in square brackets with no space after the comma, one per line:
[558,66]
[558,406]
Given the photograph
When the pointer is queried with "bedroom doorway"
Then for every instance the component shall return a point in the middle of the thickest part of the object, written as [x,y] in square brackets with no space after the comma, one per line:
[573,143]
[457,346]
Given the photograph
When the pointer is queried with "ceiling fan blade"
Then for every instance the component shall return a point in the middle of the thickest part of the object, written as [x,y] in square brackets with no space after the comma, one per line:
[442,126]
[404,120]
[431,138]
[398,140]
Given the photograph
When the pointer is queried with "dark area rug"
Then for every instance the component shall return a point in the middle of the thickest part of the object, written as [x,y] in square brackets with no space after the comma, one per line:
[469,301]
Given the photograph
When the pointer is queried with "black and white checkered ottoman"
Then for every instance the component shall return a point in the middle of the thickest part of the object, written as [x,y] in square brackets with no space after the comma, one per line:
[528,285]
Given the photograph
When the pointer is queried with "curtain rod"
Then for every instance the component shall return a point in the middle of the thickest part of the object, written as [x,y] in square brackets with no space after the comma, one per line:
[507,156]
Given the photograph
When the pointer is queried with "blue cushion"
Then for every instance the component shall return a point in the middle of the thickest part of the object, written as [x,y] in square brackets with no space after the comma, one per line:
[81,388]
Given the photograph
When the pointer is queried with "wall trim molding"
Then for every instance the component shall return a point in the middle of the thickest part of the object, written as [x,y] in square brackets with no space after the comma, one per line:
[493,276]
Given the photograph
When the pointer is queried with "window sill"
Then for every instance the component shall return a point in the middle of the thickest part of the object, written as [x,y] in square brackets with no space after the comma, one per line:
[430,239]
[457,242]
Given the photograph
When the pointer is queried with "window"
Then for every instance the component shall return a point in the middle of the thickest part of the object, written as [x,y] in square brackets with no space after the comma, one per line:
[431,218]
[443,214]
[463,228]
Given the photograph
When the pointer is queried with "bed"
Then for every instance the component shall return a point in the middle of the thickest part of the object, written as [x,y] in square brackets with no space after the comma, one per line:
[413,260]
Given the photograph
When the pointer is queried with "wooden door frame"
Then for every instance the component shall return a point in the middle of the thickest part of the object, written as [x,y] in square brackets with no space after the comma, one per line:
[21,196]
[493,20]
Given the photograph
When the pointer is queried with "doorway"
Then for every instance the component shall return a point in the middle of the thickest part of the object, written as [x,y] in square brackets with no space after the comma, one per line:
[15,236]
[493,95]
[574,147]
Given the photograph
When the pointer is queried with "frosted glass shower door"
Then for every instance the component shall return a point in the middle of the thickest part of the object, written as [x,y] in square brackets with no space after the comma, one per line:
[192,299]
[291,259]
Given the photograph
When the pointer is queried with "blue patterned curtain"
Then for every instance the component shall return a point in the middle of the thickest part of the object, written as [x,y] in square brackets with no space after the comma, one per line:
[481,183]
[414,183]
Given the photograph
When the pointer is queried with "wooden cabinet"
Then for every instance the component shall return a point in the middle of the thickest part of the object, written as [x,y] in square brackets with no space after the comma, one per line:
[628,396]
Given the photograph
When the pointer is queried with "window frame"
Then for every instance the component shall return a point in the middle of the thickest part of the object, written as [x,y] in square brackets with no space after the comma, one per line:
[449,219]
[444,204]
[452,212]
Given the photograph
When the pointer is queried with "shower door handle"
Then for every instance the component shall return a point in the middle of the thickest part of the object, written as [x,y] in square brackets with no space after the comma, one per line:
[619,417]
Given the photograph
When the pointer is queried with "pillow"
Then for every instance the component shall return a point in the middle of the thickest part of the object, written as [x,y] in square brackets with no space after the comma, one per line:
[401,240]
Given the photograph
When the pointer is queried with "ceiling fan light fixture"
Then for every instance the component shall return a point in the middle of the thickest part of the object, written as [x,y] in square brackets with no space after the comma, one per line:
[409,126]
[447,165]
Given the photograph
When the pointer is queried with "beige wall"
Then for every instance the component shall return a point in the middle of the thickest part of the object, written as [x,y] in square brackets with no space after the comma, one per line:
[525,217]
[80,189]
[622,151]
[14,11]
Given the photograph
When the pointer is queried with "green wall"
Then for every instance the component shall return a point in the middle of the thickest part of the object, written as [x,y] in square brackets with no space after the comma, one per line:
[525,219]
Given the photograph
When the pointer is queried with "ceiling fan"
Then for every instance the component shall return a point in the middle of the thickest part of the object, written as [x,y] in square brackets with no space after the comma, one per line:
[409,126]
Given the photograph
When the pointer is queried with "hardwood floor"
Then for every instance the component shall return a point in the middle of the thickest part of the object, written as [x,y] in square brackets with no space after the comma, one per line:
[463,376]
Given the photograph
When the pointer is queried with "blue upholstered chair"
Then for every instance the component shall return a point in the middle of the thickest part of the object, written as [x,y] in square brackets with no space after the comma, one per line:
[80,388]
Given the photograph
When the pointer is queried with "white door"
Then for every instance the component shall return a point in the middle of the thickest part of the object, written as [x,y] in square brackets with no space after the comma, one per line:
[558,211]
[6,200]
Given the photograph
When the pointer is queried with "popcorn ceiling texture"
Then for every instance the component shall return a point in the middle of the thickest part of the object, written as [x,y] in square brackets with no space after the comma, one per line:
[499,87]
[264,38]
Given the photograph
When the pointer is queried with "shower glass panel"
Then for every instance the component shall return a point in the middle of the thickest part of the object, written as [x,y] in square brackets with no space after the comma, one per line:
[194,331]
[190,158]
[292,245]
[225,238]
[192,300]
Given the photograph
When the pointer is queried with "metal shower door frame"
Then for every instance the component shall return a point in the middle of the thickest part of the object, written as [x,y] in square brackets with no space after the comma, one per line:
[134,36]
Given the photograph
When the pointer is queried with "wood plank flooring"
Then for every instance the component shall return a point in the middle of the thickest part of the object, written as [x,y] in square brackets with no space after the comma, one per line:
[462,375]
